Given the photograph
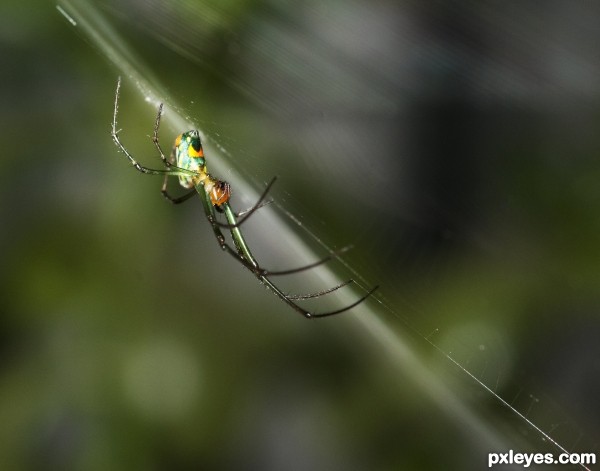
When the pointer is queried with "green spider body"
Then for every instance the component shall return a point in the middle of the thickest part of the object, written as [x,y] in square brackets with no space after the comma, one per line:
[189,155]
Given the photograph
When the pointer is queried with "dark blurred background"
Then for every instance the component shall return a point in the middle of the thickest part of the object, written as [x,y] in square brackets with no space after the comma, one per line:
[455,146]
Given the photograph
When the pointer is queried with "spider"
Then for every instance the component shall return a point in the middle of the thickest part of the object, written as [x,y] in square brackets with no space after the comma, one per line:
[188,163]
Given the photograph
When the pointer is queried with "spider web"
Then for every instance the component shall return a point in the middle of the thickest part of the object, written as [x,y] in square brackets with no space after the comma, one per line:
[406,133]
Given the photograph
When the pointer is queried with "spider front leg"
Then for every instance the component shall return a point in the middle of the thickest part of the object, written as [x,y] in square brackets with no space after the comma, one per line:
[248,212]
[209,210]
[219,198]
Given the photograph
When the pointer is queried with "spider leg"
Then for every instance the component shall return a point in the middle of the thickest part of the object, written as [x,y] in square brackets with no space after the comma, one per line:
[247,213]
[309,314]
[164,189]
[344,309]
[305,267]
[233,225]
[318,294]
[245,257]
[170,162]
[172,170]
[176,199]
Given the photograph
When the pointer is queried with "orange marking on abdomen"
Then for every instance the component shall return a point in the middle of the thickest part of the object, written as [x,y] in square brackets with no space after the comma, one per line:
[193,153]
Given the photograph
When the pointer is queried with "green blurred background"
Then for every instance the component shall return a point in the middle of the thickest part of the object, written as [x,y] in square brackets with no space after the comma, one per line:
[455,145]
